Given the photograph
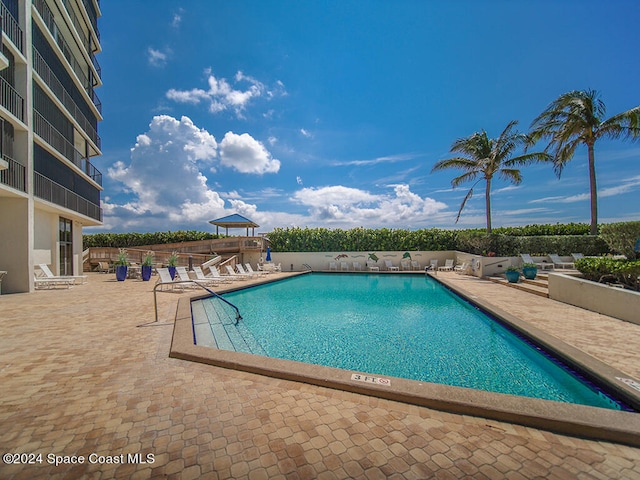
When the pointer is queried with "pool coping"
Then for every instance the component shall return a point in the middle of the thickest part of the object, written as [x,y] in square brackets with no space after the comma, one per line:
[570,419]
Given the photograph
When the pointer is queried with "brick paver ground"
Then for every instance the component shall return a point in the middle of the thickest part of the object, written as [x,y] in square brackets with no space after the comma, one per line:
[80,376]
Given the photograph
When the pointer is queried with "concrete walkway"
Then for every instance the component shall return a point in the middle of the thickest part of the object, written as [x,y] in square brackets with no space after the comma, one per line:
[80,376]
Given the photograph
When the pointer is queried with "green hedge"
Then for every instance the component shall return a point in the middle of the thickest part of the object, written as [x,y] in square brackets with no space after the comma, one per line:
[602,269]
[474,241]
[563,239]
[622,238]
[123,240]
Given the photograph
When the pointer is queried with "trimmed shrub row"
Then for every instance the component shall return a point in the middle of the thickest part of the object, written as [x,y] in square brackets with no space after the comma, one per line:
[603,269]
[124,240]
[472,241]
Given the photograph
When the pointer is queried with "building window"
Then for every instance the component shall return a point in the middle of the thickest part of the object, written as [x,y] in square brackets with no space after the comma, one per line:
[66,246]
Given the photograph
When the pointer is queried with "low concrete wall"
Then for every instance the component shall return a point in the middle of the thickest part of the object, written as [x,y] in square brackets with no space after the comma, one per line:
[611,301]
[296,261]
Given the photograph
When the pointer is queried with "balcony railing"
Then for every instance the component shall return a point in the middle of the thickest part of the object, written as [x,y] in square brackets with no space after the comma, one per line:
[84,38]
[53,137]
[56,86]
[15,175]
[11,28]
[11,100]
[53,192]
[76,66]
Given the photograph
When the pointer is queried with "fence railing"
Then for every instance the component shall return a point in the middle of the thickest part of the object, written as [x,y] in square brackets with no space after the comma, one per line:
[11,99]
[53,137]
[15,175]
[11,28]
[44,70]
[53,192]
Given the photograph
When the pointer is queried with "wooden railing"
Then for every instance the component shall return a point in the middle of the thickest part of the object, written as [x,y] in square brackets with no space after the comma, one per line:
[136,255]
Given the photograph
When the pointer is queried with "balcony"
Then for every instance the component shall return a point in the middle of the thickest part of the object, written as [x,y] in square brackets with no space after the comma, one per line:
[15,175]
[11,100]
[11,28]
[53,137]
[56,86]
[53,192]
[76,66]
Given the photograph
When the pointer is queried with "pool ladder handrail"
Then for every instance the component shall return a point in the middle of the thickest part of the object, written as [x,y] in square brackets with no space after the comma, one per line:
[155,300]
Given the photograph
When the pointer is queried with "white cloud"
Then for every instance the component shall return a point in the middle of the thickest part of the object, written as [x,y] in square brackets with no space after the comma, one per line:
[163,177]
[626,186]
[305,133]
[157,58]
[351,206]
[246,155]
[177,18]
[400,157]
[221,95]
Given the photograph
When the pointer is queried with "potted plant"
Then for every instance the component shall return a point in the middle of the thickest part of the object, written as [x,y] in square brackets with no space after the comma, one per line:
[122,264]
[172,263]
[529,270]
[512,274]
[147,266]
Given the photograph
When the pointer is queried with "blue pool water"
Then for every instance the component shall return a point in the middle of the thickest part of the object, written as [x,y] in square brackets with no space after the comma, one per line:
[405,326]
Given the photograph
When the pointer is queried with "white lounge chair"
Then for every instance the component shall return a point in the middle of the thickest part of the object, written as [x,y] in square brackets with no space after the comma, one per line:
[48,274]
[251,271]
[242,271]
[333,266]
[231,273]
[404,265]
[448,265]
[164,279]
[577,256]
[558,262]
[526,258]
[415,265]
[357,266]
[215,274]
[45,282]
[390,266]
[372,266]
[433,264]
[201,277]
[462,269]
[183,275]
[344,266]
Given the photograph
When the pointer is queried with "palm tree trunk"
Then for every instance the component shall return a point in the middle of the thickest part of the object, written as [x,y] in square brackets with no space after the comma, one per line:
[487,203]
[593,189]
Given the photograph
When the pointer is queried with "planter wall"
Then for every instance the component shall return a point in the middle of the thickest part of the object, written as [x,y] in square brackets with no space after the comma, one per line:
[611,301]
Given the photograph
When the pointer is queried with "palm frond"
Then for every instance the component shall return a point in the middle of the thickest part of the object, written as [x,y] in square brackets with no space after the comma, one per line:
[464,202]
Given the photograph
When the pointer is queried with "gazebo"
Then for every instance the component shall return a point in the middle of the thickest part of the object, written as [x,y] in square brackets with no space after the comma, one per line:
[234,221]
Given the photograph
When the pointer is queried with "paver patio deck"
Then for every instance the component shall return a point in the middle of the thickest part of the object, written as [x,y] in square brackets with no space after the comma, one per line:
[80,376]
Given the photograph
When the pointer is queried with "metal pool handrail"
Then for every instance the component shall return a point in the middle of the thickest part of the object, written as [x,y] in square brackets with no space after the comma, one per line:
[155,300]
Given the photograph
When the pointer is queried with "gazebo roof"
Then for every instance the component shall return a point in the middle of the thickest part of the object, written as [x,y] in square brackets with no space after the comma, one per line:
[234,221]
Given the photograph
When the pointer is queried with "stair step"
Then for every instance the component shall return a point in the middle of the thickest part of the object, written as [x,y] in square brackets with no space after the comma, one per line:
[541,291]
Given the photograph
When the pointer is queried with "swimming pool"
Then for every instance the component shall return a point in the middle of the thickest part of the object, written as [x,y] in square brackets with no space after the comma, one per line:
[405,326]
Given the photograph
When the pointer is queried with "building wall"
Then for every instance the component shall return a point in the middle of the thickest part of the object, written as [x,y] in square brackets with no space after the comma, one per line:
[49,103]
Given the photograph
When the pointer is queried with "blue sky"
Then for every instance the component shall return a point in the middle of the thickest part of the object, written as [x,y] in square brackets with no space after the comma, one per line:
[332,113]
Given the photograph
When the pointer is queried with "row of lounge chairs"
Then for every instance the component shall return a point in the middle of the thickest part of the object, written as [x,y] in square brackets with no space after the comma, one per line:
[556,261]
[405,265]
[215,278]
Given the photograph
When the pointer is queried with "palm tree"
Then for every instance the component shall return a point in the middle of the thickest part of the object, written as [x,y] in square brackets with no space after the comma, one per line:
[576,118]
[485,157]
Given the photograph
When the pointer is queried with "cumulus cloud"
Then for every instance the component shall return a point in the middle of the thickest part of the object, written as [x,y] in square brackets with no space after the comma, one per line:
[221,95]
[246,155]
[351,206]
[163,179]
[157,58]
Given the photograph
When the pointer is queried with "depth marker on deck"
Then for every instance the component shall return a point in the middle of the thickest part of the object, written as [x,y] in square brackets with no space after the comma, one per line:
[369,379]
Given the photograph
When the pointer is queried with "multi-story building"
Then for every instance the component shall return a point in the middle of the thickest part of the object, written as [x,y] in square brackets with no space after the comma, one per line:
[49,114]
